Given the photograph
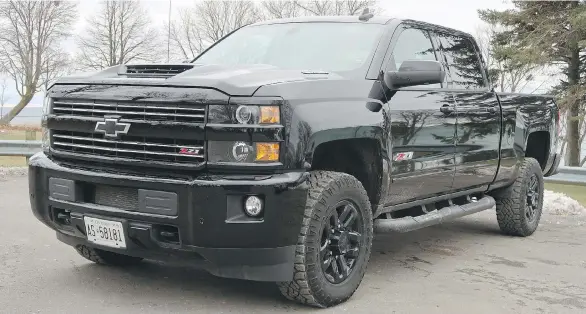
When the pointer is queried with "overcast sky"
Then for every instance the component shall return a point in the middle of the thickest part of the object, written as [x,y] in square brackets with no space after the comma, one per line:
[458,14]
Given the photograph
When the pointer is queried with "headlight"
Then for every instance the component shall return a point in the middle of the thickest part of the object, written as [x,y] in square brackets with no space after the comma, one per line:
[253,110]
[241,152]
[244,114]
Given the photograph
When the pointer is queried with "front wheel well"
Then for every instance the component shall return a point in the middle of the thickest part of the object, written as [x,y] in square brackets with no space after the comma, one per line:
[361,158]
[538,147]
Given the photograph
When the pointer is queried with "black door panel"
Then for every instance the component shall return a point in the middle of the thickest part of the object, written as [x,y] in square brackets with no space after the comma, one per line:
[478,112]
[478,139]
[423,144]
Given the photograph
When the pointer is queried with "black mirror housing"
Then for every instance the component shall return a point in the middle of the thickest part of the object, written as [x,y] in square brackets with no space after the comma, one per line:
[414,73]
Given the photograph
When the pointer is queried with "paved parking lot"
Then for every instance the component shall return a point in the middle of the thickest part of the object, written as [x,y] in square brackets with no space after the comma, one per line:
[461,267]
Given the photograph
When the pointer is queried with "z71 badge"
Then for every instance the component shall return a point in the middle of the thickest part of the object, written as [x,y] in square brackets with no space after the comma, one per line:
[403,156]
[189,151]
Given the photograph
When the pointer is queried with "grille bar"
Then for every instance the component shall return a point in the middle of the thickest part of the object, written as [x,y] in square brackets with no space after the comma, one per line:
[125,106]
[118,142]
[189,152]
[139,111]
[122,150]
[131,112]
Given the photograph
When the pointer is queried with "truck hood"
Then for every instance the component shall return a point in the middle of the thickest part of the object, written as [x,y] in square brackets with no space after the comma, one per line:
[241,80]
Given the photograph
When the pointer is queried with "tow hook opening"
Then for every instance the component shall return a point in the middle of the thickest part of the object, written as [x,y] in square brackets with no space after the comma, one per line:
[62,216]
[167,234]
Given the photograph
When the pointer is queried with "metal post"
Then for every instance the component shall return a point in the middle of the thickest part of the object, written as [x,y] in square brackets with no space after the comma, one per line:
[169,33]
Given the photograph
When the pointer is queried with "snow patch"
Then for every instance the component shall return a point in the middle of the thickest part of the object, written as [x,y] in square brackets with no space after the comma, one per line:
[6,172]
[561,204]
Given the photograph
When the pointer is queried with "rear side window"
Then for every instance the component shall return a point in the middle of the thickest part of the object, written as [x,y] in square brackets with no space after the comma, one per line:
[462,62]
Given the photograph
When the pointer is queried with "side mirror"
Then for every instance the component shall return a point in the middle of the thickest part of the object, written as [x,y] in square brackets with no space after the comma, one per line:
[415,72]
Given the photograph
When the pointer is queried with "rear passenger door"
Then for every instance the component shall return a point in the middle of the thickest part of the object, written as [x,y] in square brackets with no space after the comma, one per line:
[477,110]
[423,125]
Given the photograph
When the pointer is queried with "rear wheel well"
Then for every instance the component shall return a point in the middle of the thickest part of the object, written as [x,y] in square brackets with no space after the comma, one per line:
[538,147]
[360,158]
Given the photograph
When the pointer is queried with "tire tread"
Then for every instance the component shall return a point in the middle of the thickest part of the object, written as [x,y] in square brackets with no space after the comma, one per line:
[510,205]
[302,288]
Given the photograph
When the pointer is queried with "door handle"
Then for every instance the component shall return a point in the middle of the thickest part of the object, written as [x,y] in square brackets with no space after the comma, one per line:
[492,109]
[447,109]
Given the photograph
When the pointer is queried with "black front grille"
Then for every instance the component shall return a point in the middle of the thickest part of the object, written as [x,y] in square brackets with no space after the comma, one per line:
[134,111]
[137,148]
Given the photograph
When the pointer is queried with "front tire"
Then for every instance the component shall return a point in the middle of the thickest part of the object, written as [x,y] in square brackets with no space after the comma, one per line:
[334,244]
[519,206]
[106,258]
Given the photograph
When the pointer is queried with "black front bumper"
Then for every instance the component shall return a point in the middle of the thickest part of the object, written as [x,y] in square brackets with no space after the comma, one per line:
[212,230]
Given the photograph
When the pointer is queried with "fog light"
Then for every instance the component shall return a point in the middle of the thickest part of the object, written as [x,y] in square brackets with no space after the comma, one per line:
[240,151]
[253,206]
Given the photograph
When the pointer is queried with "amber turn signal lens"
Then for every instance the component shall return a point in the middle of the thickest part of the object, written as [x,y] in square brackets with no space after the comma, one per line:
[267,151]
[269,114]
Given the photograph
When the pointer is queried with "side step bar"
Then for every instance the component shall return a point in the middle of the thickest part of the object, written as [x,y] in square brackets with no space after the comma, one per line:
[406,224]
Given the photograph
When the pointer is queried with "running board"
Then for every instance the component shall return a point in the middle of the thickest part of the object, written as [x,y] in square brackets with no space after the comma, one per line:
[406,224]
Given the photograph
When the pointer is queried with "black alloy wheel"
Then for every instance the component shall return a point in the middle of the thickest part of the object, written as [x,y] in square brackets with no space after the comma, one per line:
[533,193]
[340,242]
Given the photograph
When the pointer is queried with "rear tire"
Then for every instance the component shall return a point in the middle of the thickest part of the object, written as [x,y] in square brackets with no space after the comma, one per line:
[336,231]
[106,258]
[519,206]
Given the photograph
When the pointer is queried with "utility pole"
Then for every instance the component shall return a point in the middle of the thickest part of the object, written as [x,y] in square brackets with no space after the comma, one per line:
[169,33]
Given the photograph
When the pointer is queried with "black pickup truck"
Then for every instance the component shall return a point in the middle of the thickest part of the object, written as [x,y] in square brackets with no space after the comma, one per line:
[278,152]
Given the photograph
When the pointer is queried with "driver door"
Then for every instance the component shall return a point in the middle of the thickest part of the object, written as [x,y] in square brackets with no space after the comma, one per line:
[423,126]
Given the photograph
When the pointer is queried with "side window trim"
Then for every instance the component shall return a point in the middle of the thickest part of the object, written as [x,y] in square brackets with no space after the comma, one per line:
[481,61]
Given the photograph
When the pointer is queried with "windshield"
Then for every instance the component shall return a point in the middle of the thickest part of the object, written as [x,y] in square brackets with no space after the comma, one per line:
[305,46]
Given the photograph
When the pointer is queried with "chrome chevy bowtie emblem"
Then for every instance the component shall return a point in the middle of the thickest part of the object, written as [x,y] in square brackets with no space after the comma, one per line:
[111,127]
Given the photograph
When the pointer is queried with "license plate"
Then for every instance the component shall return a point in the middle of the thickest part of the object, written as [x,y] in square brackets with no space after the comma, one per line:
[105,232]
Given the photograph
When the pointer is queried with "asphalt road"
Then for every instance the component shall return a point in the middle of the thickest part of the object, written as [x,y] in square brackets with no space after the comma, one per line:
[461,267]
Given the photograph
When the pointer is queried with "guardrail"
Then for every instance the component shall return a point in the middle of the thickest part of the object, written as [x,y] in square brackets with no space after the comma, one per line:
[565,175]
[569,175]
[19,148]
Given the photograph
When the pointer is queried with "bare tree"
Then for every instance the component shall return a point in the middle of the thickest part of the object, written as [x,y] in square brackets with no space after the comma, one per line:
[506,73]
[29,45]
[335,7]
[216,19]
[120,33]
[3,97]
[185,35]
[281,9]
[207,22]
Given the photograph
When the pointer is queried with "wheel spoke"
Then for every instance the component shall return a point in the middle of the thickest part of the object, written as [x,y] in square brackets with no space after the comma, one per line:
[324,247]
[326,263]
[345,270]
[334,220]
[328,230]
[335,268]
[533,184]
[350,220]
[530,211]
[354,237]
[345,213]
[353,252]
